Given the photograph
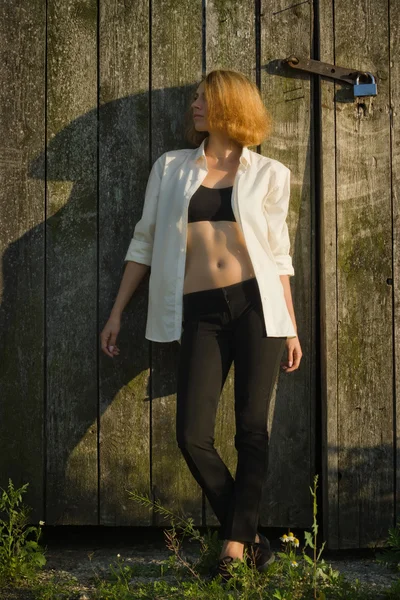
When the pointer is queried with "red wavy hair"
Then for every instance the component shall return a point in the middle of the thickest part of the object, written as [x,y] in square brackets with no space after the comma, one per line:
[234,107]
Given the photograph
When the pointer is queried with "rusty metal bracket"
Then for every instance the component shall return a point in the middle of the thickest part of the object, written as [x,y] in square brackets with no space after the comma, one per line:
[320,68]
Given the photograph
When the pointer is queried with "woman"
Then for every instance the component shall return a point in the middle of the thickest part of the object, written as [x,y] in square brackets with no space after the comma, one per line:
[213,230]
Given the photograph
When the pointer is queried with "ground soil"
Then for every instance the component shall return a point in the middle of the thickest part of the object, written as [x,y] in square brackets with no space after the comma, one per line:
[74,558]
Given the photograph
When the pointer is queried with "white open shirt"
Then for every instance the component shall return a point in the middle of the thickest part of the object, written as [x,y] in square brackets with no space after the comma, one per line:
[260,201]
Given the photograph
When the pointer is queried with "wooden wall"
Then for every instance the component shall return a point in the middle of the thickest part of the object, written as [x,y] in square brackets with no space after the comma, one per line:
[360,268]
[93,92]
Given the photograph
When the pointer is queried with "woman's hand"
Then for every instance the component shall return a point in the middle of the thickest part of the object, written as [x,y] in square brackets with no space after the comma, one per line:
[294,355]
[109,335]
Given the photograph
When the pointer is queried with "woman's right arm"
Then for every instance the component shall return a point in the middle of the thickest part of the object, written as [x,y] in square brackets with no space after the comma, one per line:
[137,259]
[133,275]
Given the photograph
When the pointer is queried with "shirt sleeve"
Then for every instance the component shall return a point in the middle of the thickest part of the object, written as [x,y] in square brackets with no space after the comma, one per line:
[141,246]
[276,205]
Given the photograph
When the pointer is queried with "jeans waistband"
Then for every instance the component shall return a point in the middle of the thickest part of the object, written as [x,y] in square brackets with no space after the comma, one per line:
[215,298]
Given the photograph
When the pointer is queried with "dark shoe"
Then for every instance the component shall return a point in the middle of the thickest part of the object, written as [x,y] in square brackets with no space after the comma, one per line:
[220,568]
[260,554]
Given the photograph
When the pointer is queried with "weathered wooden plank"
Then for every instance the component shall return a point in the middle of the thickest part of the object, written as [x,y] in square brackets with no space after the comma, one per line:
[124,168]
[286,30]
[328,291]
[364,298]
[393,104]
[176,65]
[71,263]
[359,241]
[230,44]
[22,246]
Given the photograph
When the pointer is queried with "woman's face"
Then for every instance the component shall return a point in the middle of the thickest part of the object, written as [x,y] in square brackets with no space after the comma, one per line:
[199,109]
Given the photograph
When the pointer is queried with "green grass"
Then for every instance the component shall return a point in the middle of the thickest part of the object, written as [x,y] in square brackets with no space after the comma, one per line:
[298,573]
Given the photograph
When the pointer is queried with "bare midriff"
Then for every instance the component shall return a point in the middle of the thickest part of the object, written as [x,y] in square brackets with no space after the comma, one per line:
[216,253]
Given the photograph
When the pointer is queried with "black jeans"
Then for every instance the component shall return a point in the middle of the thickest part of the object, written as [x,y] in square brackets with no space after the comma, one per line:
[222,325]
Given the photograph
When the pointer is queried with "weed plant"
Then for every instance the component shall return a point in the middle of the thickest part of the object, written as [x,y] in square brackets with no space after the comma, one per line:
[21,555]
[298,573]
[295,575]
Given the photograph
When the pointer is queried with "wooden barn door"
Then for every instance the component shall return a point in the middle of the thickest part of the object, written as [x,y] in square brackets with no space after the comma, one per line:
[94,92]
[249,37]
[360,270]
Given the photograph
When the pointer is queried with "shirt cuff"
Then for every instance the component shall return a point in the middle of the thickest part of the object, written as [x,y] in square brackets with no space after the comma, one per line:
[139,251]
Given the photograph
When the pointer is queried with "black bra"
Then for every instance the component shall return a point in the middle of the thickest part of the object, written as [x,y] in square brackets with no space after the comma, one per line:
[211,204]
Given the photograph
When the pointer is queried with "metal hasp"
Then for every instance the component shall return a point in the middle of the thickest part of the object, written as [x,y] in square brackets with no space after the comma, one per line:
[334,72]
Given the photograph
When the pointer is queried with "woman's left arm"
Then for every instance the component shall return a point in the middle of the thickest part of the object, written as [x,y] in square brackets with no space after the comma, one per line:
[294,352]
[288,297]
[276,205]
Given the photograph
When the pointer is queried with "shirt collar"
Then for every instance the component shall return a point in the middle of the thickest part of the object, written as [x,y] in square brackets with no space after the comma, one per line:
[200,155]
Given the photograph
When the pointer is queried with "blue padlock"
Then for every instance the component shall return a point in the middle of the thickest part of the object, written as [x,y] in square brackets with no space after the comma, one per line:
[365,89]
